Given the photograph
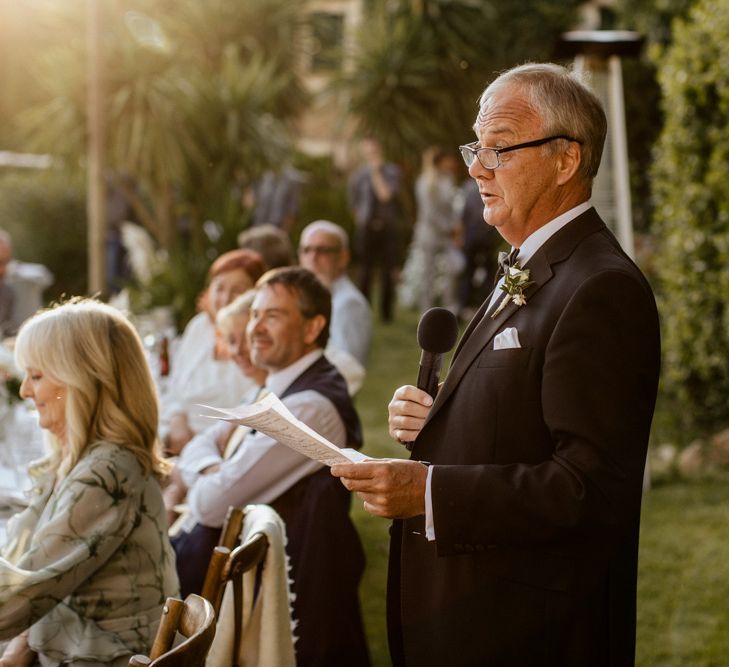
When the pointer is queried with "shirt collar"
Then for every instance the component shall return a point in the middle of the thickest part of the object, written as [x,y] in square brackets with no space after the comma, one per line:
[538,238]
[279,381]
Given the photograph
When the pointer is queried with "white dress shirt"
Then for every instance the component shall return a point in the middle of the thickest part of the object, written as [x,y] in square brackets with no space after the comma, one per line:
[261,469]
[526,251]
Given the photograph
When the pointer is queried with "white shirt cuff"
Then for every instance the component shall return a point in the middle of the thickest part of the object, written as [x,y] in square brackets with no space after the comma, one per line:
[429,526]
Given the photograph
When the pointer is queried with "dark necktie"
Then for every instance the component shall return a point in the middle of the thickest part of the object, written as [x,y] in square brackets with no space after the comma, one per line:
[506,260]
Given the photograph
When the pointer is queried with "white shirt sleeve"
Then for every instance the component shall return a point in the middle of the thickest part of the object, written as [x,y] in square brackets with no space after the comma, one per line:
[201,452]
[262,469]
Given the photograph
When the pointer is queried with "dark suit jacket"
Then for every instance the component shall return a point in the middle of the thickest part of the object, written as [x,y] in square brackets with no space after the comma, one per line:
[539,454]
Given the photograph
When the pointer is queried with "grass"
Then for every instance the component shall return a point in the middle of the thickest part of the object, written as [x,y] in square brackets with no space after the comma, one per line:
[683,579]
[683,584]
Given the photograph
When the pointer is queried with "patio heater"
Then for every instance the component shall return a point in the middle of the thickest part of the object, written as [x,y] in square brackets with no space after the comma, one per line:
[598,53]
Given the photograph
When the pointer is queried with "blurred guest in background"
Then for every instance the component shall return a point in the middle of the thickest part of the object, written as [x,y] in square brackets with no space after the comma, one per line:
[270,242]
[373,192]
[275,198]
[435,258]
[324,250]
[21,287]
[88,566]
[480,248]
[200,369]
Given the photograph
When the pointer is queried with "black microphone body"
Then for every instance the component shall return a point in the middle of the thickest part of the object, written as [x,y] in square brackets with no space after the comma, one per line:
[437,333]
[429,371]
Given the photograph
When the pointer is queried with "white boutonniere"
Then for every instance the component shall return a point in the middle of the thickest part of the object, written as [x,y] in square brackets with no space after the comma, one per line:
[516,281]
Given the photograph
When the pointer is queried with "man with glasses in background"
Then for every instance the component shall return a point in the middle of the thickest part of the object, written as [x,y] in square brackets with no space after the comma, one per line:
[517,543]
[324,250]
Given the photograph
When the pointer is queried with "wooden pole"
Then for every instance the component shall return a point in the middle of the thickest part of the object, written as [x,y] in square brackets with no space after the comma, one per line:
[96,187]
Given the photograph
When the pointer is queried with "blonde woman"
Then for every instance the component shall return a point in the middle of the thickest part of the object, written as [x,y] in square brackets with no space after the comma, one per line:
[231,322]
[88,566]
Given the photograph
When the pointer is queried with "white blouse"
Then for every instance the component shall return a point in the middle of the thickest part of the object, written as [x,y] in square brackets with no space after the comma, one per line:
[196,377]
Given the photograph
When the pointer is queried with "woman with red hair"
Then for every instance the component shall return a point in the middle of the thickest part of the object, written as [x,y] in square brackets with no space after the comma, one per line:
[201,370]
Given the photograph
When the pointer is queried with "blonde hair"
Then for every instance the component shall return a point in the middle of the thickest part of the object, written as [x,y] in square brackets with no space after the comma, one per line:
[239,306]
[94,351]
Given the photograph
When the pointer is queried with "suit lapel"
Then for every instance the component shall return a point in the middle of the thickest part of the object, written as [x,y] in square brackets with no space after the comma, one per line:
[483,328]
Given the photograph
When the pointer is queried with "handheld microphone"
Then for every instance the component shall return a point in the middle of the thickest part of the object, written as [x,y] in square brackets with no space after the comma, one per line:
[437,333]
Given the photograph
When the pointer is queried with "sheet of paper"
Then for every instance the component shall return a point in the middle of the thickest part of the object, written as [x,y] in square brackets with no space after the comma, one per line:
[270,416]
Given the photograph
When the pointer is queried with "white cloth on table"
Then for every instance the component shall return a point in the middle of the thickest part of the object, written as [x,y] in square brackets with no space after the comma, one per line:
[267,626]
[261,469]
[197,377]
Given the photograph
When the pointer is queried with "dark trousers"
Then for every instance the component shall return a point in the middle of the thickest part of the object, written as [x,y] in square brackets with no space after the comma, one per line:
[193,551]
[377,248]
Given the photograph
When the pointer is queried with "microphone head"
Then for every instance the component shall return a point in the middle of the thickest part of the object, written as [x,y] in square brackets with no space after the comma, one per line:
[437,330]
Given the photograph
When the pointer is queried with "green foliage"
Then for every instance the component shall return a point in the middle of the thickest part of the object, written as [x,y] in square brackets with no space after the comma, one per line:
[178,286]
[419,65]
[198,98]
[45,213]
[324,195]
[692,216]
[652,18]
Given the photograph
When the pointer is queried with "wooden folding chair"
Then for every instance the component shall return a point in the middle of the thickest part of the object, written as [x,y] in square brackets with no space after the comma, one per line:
[194,619]
[230,564]
[232,527]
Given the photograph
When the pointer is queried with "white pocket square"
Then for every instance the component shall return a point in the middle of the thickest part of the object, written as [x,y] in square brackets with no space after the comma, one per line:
[507,339]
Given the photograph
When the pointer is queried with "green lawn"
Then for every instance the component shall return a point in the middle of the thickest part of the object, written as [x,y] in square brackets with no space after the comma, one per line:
[683,590]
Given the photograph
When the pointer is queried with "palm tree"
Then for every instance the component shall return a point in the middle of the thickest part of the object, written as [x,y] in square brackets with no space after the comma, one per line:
[198,97]
[419,65]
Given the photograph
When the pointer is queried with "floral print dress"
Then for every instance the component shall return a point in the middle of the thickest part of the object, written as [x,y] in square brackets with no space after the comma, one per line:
[88,565]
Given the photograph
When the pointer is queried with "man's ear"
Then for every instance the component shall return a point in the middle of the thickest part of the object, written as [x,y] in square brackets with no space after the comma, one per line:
[569,162]
[313,327]
[344,257]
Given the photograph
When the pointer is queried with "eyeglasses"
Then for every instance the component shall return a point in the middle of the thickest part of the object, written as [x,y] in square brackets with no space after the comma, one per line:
[490,157]
[319,249]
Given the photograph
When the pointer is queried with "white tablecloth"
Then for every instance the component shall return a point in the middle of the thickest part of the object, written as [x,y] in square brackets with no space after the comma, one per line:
[21,442]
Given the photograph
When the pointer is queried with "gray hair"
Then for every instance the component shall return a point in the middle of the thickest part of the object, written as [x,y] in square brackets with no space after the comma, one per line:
[565,105]
[328,227]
